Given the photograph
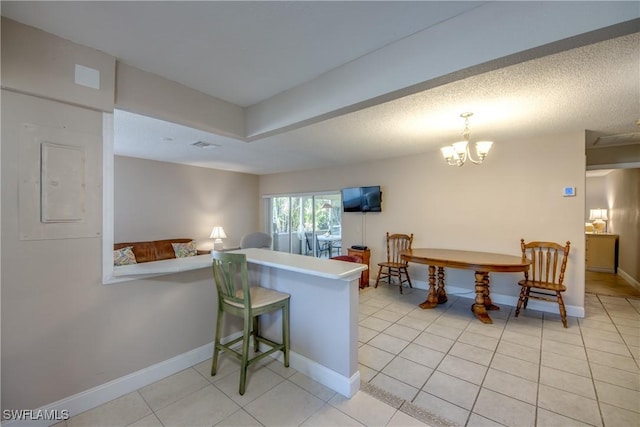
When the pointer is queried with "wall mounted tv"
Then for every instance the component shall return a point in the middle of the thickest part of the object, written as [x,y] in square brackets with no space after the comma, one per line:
[362,199]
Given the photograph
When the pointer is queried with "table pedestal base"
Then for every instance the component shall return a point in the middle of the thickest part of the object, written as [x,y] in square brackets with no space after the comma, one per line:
[483,300]
[482,263]
[435,297]
[482,303]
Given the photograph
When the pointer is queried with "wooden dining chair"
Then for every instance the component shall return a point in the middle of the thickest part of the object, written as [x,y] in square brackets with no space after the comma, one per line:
[544,280]
[394,266]
[236,298]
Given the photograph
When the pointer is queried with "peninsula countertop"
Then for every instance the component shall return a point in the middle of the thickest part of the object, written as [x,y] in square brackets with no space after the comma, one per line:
[321,267]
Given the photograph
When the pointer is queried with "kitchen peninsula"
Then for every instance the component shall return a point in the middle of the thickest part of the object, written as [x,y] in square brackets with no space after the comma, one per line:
[324,313]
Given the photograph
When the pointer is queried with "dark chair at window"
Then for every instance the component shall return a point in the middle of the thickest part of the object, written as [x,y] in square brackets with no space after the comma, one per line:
[320,248]
[544,278]
[336,247]
[394,266]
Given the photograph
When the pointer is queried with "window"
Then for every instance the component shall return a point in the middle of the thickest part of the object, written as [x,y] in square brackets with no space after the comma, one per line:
[309,224]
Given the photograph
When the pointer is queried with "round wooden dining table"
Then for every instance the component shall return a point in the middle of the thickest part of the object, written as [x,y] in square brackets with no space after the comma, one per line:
[482,263]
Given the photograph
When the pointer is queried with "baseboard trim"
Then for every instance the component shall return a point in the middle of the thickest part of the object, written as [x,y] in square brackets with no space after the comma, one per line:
[626,276]
[106,392]
[346,386]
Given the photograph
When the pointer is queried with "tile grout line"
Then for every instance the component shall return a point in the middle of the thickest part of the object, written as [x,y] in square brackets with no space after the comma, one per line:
[493,355]
[556,388]
[543,319]
[593,381]
[421,389]
[615,325]
[414,407]
[546,321]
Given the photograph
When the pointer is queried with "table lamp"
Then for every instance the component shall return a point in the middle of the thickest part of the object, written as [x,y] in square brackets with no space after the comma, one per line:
[598,216]
[218,234]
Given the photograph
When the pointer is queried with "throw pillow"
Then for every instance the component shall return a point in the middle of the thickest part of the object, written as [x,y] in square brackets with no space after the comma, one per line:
[185,249]
[124,256]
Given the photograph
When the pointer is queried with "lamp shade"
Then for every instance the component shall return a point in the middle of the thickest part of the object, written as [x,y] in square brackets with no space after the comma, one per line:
[447,152]
[483,147]
[217,233]
[595,214]
[460,147]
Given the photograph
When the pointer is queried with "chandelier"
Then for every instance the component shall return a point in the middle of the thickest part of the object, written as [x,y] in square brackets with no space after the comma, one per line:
[458,152]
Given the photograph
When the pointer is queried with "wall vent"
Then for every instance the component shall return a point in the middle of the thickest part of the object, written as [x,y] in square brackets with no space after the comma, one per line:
[202,144]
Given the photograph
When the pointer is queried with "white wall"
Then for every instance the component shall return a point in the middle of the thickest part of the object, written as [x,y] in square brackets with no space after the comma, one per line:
[623,197]
[151,95]
[37,63]
[63,331]
[516,193]
[157,200]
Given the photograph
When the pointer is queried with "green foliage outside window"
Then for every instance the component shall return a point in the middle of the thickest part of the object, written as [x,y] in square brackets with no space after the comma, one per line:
[301,209]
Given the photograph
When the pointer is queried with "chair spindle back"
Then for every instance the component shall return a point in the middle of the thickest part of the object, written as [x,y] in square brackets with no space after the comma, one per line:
[396,243]
[230,275]
[548,260]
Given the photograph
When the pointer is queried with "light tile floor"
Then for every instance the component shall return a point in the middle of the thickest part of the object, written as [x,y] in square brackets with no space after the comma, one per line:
[275,396]
[426,367]
[526,371]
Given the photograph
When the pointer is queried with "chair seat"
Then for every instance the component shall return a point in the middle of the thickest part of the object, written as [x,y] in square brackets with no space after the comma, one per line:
[543,285]
[260,297]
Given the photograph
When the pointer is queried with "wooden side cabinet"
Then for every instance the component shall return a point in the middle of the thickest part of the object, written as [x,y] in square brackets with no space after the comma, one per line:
[602,252]
[364,255]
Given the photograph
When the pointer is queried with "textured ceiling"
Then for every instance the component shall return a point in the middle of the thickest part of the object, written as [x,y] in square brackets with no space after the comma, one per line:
[594,87]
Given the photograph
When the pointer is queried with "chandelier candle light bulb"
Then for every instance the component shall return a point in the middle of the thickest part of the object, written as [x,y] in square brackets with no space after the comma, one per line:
[458,152]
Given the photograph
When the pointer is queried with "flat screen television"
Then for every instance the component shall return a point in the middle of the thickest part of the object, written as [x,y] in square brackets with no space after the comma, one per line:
[362,199]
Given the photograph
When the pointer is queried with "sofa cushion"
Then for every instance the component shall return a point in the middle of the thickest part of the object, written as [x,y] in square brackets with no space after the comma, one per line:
[164,248]
[144,251]
[124,256]
[183,250]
